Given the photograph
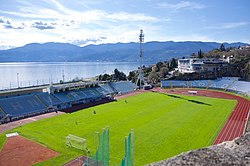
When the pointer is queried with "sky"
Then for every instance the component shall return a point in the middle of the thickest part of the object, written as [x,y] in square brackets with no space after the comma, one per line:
[83,22]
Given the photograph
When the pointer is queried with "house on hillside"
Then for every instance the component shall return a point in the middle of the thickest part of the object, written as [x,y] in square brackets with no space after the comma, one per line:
[192,65]
[244,47]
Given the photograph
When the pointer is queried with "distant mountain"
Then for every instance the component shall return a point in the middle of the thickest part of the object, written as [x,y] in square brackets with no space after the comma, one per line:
[128,52]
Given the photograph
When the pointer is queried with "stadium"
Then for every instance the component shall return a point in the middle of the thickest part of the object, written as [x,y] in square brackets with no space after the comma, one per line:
[115,123]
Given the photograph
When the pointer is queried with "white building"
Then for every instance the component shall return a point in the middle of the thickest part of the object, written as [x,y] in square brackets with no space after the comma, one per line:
[244,47]
[192,65]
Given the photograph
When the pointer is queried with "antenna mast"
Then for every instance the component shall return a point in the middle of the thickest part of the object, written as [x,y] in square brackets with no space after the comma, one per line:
[140,77]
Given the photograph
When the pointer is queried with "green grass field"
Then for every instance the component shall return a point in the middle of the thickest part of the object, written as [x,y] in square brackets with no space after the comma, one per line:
[164,126]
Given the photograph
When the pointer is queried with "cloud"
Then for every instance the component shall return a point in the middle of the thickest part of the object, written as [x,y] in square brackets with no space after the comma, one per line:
[1,20]
[85,42]
[231,25]
[58,11]
[123,16]
[102,37]
[43,25]
[10,24]
[15,38]
[54,22]
[5,47]
[190,37]
[11,27]
[89,16]
[181,5]
[38,24]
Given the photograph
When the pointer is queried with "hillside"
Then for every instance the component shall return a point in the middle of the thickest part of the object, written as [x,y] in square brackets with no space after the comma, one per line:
[127,52]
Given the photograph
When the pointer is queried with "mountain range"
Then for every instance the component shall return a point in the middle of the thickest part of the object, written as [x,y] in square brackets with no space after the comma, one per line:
[123,52]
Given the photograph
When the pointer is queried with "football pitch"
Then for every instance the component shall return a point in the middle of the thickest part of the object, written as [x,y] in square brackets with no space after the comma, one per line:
[164,126]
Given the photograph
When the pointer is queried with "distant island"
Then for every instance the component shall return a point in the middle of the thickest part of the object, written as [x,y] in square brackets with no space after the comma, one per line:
[122,52]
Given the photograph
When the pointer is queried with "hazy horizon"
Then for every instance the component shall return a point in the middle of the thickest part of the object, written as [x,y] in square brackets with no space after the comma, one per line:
[119,43]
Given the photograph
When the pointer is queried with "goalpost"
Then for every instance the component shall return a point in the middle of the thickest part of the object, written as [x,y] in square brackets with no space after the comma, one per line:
[76,142]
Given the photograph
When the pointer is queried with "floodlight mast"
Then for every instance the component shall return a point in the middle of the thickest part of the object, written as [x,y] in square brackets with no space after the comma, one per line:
[141,40]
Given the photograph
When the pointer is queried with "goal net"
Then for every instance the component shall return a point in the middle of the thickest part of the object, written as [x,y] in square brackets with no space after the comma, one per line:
[76,142]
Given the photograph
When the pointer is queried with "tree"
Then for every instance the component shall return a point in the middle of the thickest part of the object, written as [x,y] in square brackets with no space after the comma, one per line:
[146,71]
[173,64]
[153,78]
[222,47]
[75,79]
[163,72]
[200,54]
[105,77]
[132,76]
[118,75]
[230,48]
[159,65]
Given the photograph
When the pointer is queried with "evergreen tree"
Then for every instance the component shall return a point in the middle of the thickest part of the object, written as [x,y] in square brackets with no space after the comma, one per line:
[222,47]
[132,76]
[159,65]
[119,75]
[153,78]
[200,54]
[173,64]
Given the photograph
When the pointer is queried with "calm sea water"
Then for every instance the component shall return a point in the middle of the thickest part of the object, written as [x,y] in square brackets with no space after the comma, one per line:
[34,73]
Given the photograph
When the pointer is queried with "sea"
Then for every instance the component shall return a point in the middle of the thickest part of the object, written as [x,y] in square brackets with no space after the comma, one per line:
[24,74]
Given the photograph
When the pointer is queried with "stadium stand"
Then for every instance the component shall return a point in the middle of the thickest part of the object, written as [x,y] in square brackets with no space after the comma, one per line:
[48,99]
[109,88]
[103,90]
[241,87]
[174,83]
[63,97]
[25,105]
[221,83]
[92,93]
[2,113]
[21,105]
[227,84]
[199,83]
[132,85]
[123,86]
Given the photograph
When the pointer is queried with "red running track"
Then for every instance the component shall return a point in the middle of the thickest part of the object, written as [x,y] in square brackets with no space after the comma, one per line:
[234,126]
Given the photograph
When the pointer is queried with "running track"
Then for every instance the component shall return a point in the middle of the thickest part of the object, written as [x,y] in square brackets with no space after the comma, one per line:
[235,124]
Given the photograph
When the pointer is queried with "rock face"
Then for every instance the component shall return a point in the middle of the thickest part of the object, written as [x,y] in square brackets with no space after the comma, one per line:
[248,125]
[235,152]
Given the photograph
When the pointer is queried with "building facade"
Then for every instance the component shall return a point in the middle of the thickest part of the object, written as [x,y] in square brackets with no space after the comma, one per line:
[192,65]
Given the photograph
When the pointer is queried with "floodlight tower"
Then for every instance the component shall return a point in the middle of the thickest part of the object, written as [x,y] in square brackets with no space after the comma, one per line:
[140,77]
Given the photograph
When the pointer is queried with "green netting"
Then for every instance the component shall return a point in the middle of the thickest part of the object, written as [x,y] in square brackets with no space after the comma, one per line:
[102,152]
[128,154]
